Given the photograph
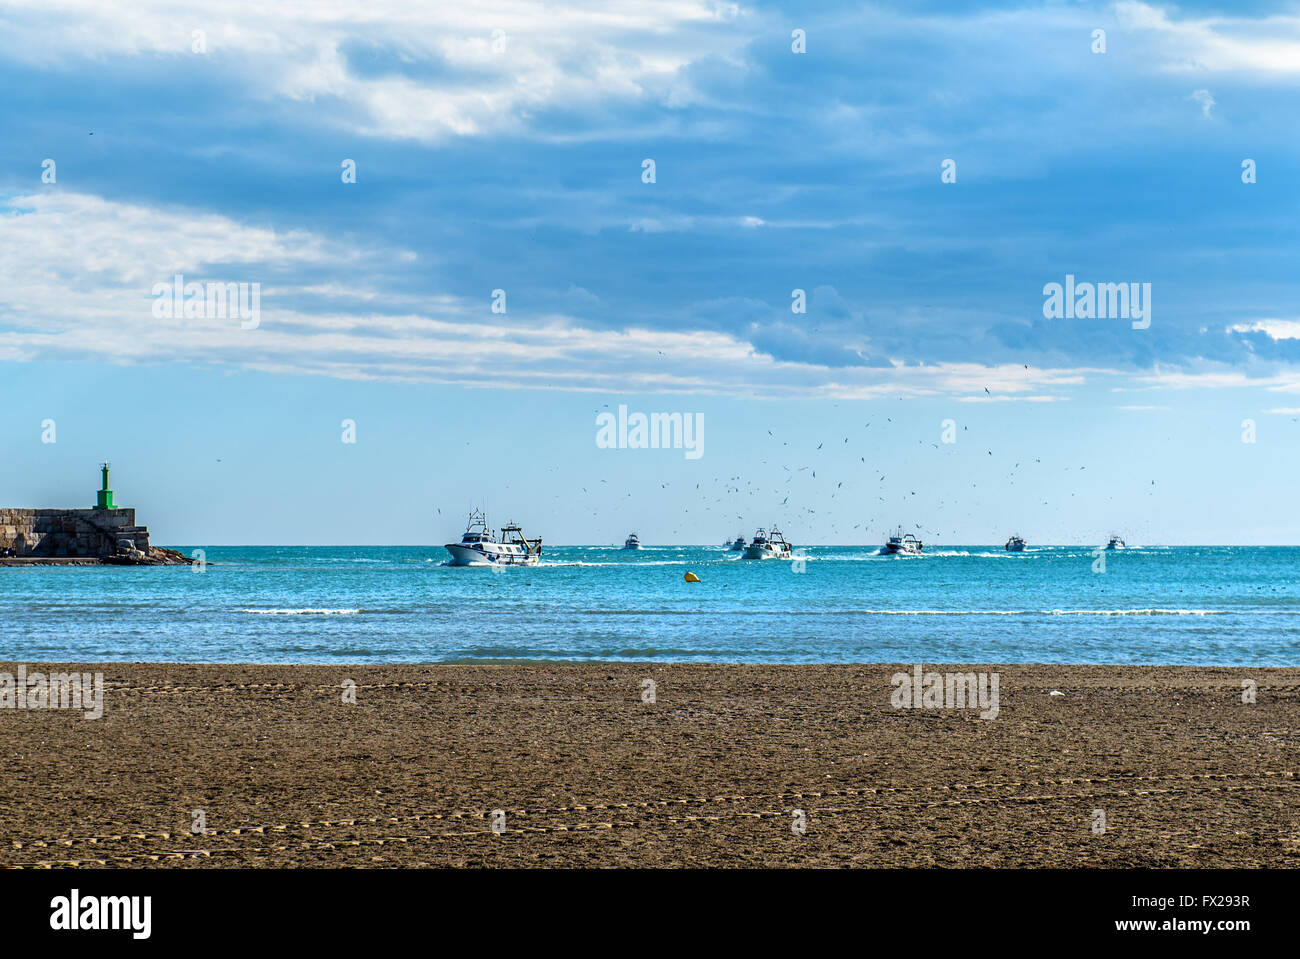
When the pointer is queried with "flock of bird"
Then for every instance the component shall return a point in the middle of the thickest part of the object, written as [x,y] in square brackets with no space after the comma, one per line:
[761,499]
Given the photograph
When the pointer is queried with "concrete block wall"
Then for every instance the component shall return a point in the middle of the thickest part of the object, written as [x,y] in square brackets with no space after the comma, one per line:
[69,532]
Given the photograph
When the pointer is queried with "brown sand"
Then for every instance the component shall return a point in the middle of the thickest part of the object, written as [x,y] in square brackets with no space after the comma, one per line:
[710,774]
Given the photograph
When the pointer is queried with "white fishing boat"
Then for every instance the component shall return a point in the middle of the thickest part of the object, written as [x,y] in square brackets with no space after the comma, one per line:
[902,544]
[632,541]
[1115,542]
[735,545]
[1015,545]
[478,547]
[768,545]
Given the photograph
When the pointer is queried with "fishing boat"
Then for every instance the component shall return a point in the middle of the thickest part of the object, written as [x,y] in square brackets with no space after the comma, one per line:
[1015,545]
[768,545]
[478,547]
[735,545]
[902,544]
[1115,542]
[632,542]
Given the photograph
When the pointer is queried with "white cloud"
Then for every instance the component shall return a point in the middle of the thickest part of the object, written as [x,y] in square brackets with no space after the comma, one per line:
[1215,379]
[1218,44]
[1273,329]
[80,271]
[454,69]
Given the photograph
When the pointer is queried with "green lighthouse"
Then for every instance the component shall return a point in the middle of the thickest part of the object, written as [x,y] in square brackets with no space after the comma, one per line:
[104,498]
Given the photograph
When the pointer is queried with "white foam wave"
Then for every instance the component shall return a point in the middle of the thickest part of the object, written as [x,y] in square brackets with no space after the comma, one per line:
[1134,612]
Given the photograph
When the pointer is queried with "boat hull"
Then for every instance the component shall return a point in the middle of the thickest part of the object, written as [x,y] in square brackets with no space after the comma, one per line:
[764,552]
[464,556]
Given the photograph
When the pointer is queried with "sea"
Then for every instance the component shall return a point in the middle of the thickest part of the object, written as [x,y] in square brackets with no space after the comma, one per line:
[1198,605]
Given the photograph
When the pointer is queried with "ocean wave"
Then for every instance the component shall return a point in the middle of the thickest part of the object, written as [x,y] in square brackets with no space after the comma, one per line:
[1038,612]
[476,654]
[752,612]
[942,612]
[1134,612]
[301,612]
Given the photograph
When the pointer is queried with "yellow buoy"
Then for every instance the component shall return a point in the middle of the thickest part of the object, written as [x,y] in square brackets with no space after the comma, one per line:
[692,578]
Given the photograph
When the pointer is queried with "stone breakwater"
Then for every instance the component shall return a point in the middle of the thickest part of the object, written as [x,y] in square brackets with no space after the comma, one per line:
[34,537]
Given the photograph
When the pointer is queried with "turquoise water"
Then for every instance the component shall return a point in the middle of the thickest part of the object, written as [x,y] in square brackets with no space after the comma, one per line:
[1192,605]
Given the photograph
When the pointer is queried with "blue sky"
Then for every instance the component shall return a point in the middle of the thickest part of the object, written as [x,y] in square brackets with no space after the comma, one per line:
[513,160]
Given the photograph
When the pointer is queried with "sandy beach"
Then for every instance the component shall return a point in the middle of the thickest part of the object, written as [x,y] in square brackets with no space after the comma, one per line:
[587,774]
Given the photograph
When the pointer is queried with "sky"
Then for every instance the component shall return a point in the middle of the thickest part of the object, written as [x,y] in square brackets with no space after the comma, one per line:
[443,332]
